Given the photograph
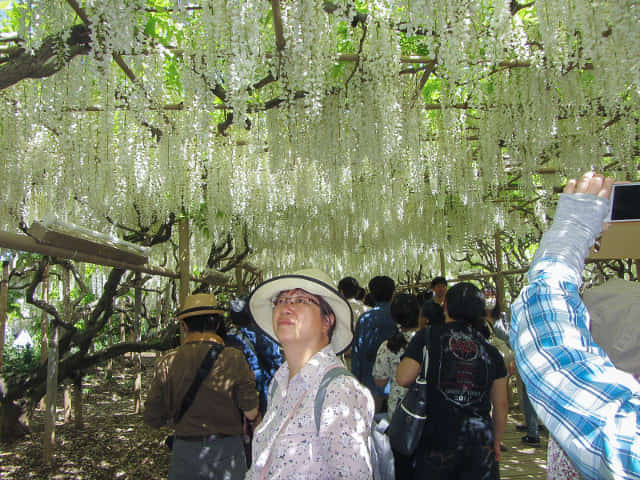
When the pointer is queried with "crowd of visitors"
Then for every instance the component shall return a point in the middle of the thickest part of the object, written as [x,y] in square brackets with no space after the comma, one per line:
[285,386]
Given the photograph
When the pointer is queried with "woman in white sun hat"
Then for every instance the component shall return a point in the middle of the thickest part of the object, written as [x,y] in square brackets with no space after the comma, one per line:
[307,316]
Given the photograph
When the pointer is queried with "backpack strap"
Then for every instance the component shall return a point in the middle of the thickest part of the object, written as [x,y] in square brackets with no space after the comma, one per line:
[272,389]
[322,390]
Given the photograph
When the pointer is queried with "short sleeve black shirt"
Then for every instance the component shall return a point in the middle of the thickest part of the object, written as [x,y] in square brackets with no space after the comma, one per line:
[460,380]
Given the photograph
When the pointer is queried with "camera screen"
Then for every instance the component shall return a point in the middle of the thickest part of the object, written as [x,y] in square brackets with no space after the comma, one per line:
[626,202]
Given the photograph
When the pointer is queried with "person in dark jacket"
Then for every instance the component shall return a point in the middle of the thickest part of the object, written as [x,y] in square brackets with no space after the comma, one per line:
[372,328]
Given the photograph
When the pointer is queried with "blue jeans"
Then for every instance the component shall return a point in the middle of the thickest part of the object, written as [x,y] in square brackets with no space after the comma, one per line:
[218,459]
[530,417]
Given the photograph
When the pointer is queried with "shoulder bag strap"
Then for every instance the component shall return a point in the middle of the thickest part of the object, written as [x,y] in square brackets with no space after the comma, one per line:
[433,341]
[204,369]
[422,376]
[265,469]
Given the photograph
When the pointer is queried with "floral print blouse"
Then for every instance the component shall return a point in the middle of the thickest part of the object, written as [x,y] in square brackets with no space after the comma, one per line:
[559,467]
[386,366]
[297,449]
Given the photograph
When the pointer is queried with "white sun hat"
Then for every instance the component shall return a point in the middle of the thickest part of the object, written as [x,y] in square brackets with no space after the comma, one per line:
[312,281]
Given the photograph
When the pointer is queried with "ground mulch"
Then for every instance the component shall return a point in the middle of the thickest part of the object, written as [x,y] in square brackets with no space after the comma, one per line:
[114,442]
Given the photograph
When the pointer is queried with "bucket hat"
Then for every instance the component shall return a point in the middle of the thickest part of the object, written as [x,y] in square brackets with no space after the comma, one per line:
[199,304]
[313,281]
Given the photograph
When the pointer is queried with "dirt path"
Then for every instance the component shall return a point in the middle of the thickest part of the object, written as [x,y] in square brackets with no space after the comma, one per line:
[114,443]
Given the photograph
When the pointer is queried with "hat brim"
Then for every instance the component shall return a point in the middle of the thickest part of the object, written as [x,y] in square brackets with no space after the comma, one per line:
[192,312]
[262,309]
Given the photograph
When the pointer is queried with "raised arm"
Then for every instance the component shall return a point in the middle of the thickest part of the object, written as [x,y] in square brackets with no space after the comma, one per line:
[591,408]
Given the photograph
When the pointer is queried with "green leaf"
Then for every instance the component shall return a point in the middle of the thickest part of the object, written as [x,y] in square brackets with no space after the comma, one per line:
[150,27]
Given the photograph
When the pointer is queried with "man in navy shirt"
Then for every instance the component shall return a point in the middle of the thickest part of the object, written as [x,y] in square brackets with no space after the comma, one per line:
[373,327]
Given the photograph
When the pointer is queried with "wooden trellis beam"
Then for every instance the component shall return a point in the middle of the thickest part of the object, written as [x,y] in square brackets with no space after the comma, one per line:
[27,244]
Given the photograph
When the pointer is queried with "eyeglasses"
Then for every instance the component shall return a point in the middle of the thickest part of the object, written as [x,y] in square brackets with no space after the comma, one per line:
[295,301]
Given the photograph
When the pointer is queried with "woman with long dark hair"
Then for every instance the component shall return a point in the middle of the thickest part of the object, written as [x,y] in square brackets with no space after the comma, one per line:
[405,312]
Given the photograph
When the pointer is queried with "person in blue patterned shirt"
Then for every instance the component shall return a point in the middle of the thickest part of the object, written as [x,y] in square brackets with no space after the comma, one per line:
[590,407]
[262,353]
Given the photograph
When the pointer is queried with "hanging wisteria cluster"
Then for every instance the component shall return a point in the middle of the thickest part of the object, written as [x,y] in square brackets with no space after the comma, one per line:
[327,143]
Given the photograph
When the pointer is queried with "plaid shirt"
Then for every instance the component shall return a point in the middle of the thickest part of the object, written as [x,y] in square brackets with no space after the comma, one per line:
[591,408]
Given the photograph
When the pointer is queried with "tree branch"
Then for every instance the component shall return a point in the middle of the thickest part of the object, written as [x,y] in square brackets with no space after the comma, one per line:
[38,278]
[54,53]
[35,385]
[516,7]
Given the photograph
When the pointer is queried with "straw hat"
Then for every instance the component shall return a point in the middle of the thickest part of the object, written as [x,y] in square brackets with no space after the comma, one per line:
[315,282]
[199,304]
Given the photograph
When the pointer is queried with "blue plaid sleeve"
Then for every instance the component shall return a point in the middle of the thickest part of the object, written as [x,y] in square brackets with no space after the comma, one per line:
[591,408]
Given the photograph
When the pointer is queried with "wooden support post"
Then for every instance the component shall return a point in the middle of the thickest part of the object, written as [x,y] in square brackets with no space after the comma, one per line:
[67,401]
[164,314]
[242,289]
[44,319]
[110,326]
[158,325]
[78,417]
[52,375]
[68,314]
[184,267]
[277,24]
[184,258]
[500,293]
[137,308]
[443,265]
[44,327]
[4,297]
[166,303]
[123,328]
